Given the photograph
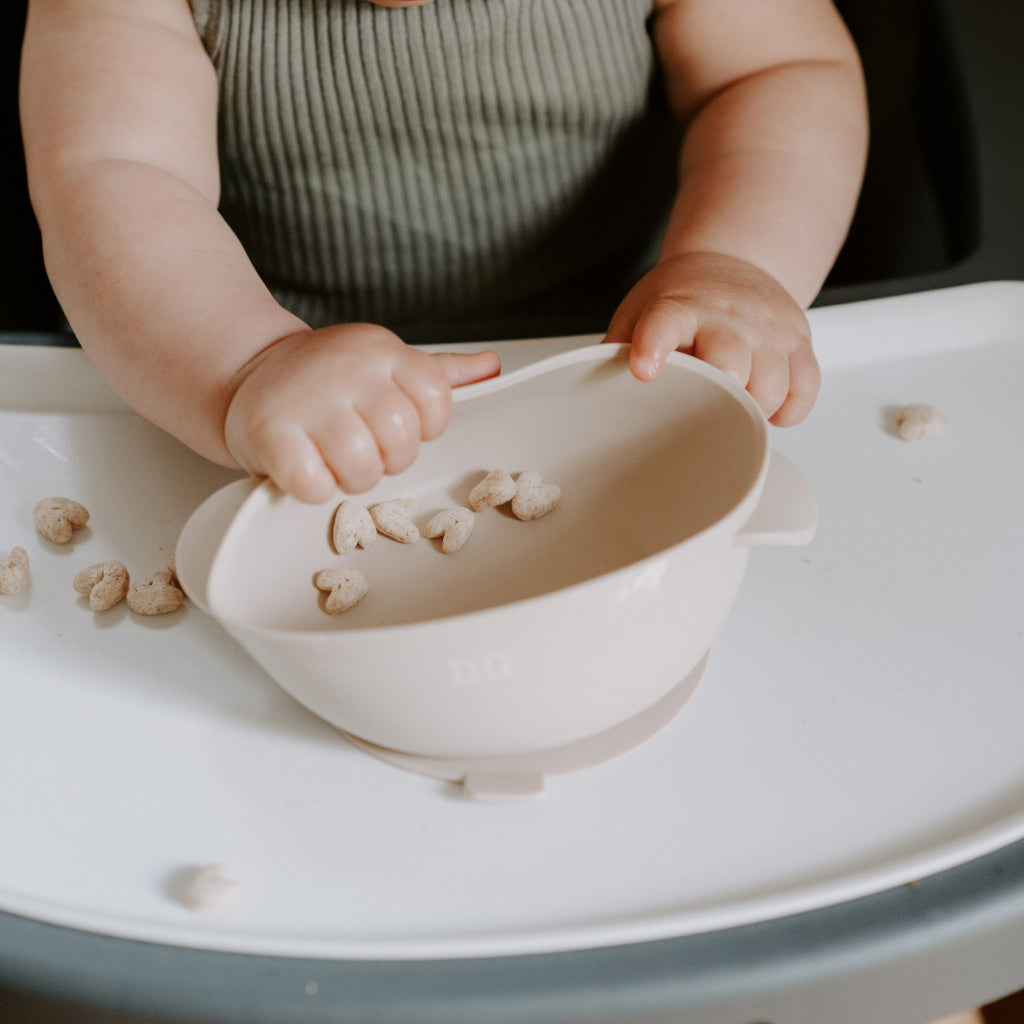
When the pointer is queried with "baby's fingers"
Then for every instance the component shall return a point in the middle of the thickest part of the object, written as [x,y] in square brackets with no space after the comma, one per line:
[804,382]
[784,382]
[351,450]
[461,368]
[290,458]
[663,327]
[428,382]
[726,349]
[394,421]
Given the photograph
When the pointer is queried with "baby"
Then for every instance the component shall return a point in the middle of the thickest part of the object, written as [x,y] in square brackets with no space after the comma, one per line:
[242,201]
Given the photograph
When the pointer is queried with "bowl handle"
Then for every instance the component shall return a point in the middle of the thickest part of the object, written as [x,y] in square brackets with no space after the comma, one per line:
[788,510]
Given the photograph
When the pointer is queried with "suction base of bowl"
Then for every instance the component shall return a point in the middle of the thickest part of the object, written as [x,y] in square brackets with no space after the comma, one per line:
[515,776]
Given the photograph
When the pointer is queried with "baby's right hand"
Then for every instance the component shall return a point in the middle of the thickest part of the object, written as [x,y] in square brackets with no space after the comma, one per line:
[341,406]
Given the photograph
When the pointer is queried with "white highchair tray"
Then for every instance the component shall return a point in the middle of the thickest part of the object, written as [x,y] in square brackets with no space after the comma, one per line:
[858,726]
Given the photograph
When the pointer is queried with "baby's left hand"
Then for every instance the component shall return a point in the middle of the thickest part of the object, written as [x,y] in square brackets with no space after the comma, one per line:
[732,315]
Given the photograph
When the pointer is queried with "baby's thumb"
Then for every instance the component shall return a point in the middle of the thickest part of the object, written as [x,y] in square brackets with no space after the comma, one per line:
[467,368]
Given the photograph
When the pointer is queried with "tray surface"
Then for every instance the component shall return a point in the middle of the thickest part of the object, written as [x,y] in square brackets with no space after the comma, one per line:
[858,727]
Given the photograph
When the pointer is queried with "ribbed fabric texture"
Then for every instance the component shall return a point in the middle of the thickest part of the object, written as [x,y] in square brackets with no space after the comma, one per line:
[456,161]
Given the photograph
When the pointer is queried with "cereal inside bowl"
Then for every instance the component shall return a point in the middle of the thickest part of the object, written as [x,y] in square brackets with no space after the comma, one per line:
[538,627]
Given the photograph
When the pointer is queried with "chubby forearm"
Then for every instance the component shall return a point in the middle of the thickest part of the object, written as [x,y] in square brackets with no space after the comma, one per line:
[119,103]
[772,97]
[770,171]
[158,291]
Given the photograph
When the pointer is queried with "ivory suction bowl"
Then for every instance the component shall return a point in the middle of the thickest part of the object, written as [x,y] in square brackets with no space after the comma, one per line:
[536,633]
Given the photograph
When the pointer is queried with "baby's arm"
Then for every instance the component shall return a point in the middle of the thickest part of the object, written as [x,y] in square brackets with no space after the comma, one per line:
[773,100]
[119,106]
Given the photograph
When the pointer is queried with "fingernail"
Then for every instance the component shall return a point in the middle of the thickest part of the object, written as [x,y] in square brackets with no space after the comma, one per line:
[645,368]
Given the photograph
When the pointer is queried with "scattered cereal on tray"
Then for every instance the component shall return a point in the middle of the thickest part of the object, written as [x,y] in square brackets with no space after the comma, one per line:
[57,518]
[352,527]
[14,572]
[916,422]
[155,595]
[344,588]
[393,519]
[105,584]
[207,888]
[453,526]
[494,489]
[533,497]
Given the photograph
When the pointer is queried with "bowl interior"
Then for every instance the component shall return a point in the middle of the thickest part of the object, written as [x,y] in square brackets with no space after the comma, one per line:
[642,467]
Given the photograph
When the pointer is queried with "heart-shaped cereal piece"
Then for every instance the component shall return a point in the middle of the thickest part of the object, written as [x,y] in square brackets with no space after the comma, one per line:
[155,595]
[208,887]
[533,497]
[394,519]
[344,588]
[352,527]
[494,489]
[453,526]
[57,518]
[14,572]
[105,584]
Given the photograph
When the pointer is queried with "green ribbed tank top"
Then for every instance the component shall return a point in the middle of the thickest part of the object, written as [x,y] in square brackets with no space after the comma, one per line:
[467,160]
